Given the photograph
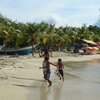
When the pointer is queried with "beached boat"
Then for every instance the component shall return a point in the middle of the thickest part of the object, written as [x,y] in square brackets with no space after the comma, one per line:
[20,51]
[1,47]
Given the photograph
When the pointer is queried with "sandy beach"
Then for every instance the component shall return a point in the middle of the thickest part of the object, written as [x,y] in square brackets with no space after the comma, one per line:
[21,79]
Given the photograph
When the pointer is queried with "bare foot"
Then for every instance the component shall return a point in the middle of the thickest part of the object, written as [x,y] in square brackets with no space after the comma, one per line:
[50,83]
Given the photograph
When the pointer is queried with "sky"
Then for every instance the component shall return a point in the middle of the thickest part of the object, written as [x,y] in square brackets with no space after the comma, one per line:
[61,12]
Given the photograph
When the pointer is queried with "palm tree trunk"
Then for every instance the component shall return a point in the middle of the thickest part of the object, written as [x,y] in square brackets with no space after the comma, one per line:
[33,49]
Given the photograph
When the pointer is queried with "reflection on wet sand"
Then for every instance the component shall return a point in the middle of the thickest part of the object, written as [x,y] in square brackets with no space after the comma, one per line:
[57,92]
[53,92]
[44,91]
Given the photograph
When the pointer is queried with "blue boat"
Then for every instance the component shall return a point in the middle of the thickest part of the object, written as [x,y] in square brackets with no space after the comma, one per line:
[24,50]
[21,51]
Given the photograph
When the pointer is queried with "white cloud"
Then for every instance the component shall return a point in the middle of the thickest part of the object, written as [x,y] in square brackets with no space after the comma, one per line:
[70,12]
[60,20]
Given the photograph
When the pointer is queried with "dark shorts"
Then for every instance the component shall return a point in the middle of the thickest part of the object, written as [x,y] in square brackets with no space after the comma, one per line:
[61,73]
[47,75]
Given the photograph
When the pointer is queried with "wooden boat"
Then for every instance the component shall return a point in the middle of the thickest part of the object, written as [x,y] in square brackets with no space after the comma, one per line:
[20,51]
[1,47]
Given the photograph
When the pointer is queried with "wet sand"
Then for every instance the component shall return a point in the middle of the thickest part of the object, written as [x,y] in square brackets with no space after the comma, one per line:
[21,78]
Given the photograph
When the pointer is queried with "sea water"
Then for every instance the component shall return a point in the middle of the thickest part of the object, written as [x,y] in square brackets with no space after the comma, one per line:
[82,82]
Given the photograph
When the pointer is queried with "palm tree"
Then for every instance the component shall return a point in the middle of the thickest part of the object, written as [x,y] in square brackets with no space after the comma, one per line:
[18,36]
[5,36]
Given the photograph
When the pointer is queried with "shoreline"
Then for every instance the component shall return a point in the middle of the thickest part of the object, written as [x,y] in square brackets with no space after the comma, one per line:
[22,76]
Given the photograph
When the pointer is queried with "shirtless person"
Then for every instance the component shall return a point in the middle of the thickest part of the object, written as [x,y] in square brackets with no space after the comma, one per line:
[46,70]
[60,68]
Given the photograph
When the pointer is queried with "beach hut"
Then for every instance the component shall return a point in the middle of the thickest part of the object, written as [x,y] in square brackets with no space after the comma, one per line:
[89,42]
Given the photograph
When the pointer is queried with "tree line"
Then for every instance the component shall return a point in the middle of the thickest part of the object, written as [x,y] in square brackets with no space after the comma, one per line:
[18,34]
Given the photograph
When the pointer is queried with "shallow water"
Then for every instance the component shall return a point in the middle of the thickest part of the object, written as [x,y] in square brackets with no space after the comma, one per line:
[82,82]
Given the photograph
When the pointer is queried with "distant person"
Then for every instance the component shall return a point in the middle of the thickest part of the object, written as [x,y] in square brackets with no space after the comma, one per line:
[41,44]
[46,70]
[84,48]
[50,51]
[45,54]
[60,68]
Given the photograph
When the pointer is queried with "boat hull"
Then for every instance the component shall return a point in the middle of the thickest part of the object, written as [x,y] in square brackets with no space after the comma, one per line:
[20,51]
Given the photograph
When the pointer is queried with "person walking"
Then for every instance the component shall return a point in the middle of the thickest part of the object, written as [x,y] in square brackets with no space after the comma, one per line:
[46,70]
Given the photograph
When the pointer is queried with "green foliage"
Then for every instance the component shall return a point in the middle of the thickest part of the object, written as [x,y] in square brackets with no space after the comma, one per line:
[16,34]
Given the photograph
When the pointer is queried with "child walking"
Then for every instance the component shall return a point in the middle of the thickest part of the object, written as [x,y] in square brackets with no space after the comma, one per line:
[60,68]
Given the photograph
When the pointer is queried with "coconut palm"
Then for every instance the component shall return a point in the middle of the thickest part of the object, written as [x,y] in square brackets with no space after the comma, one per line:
[16,34]
[17,37]
[5,35]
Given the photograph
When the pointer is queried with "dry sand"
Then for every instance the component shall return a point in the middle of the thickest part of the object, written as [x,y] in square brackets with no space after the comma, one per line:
[21,79]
